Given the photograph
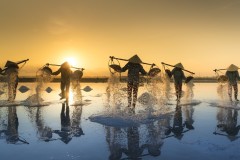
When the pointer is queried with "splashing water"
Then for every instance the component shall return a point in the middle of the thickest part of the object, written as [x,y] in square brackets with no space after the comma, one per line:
[159,87]
[222,91]
[42,78]
[76,91]
[167,90]
[115,92]
[12,80]
[189,91]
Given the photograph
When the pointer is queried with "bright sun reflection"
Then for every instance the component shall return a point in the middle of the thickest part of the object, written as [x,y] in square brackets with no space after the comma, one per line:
[72,61]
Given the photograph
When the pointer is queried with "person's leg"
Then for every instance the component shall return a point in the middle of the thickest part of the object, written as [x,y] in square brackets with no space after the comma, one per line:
[177,91]
[235,87]
[135,93]
[230,91]
[10,94]
[63,85]
[67,89]
[15,88]
[129,90]
[180,90]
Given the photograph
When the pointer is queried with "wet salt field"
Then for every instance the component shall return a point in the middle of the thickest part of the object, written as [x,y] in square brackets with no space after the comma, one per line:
[99,125]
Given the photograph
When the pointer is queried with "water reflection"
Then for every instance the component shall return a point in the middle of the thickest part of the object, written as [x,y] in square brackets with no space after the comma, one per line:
[179,126]
[10,131]
[136,142]
[227,124]
[69,129]
[44,132]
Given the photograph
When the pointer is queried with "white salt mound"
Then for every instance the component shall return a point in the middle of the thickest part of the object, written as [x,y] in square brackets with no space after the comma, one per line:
[87,89]
[147,98]
[34,100]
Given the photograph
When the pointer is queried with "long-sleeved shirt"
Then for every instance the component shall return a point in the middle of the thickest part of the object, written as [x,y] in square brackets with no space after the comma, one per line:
[133,71]
[65,73]
[233,77]
[178,75]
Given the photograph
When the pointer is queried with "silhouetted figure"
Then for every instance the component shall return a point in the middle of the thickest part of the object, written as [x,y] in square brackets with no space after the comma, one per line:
[178,77]
[134,68]
[65,132]
[12,79]
[65,79]
[233,76]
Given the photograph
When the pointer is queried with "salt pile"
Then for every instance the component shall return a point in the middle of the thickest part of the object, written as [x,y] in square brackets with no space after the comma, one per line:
[48,90]
[87,89]
[23,89]
[34,100]
[147,98]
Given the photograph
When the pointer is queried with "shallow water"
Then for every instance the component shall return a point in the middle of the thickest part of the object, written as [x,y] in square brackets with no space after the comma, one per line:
[100,126]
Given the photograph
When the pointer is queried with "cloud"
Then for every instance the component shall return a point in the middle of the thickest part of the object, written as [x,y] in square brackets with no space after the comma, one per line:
[58,26]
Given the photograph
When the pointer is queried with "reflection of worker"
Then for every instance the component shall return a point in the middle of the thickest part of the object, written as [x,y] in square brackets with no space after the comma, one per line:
[65,78]
[134,150]
[178,76]
[114,137]
[230,125]
[155,141]
[12,130]
[65,132]
[178,125]
[44,132]
[76,128]
[233,77]
[133,67]
[189,117]
[12,78]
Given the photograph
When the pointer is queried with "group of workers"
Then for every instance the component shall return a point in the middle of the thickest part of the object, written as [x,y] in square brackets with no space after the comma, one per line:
[11,73]
[134,68]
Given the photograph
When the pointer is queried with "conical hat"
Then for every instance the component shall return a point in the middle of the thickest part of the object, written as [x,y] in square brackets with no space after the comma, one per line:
[65,65]
[179,65]
[232,67]
[135,59]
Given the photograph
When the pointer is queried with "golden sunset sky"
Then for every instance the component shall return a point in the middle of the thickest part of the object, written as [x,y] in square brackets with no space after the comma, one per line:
[202,34]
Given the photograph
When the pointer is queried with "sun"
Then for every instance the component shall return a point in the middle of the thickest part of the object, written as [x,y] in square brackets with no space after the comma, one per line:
[72,61]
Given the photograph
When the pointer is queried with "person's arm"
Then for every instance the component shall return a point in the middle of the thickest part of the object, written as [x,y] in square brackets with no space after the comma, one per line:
[2,72]
[57,72]
[238,78]
[142,70]
[125,67]
[184,77]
